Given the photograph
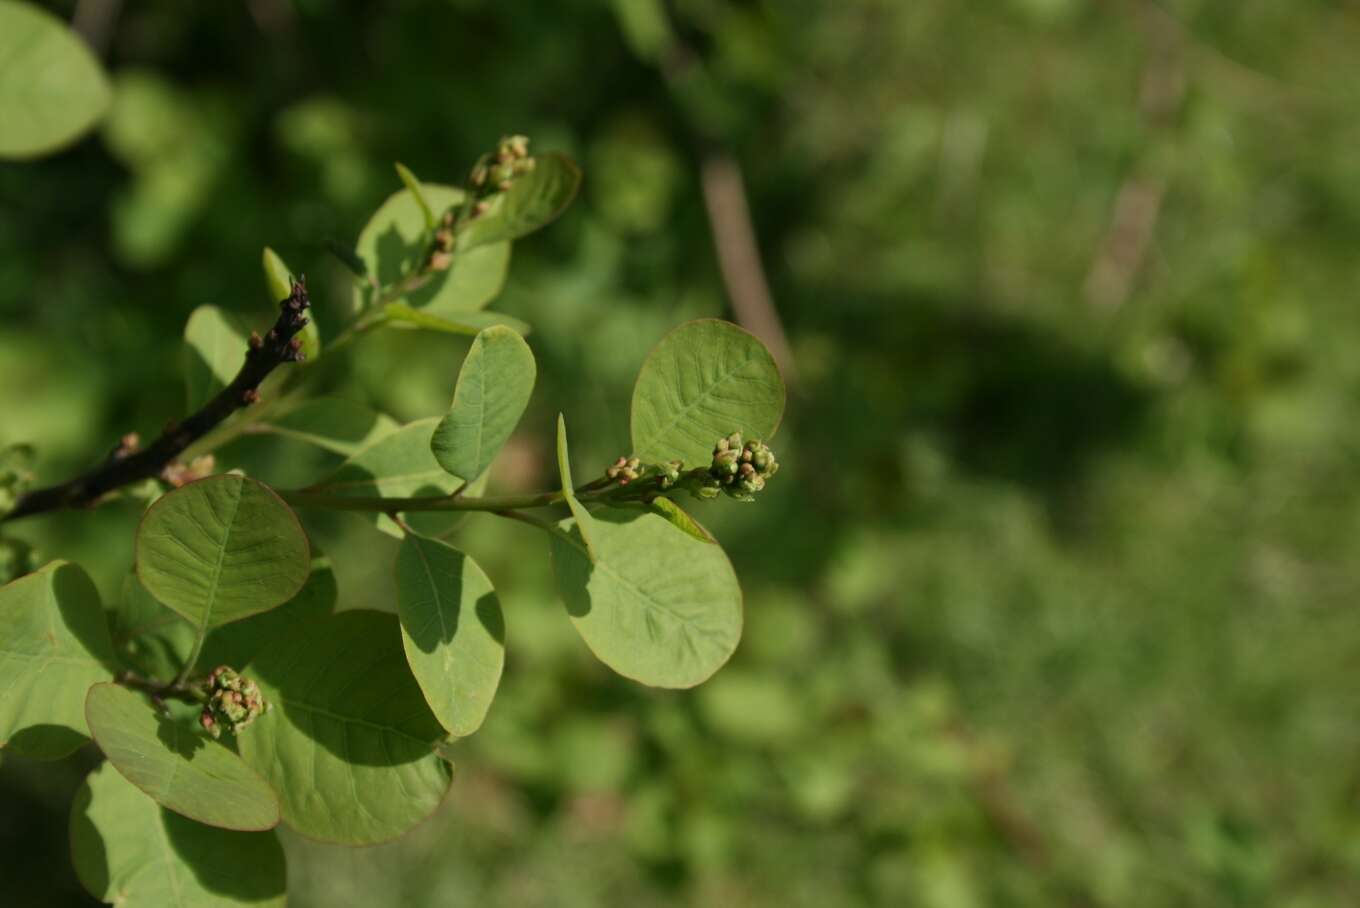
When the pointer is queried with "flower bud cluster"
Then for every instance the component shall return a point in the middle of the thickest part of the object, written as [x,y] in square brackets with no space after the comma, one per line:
[233,702]
[625,470]
[739,469]
[498,171]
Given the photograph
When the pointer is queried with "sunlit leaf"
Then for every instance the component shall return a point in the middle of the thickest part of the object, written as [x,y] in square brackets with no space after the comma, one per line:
[176,764]
[349,744]
[412,185]
[215,347]
[534,200]
[703,381]
[52,90]
[131,852]
[494,385]
[221,549]
[54,644]
[657,606]
[452,630]
[392,244]
[679,518]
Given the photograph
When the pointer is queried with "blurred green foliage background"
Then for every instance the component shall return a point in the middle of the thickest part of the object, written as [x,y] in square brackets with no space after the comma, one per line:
[1049,605]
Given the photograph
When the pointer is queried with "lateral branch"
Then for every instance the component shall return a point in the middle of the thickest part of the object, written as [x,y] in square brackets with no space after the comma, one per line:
[281,344]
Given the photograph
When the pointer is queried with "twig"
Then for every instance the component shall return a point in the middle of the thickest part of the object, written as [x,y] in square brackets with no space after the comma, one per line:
[280,345]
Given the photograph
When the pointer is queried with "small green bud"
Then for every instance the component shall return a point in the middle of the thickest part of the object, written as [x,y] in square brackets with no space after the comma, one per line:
[233,702]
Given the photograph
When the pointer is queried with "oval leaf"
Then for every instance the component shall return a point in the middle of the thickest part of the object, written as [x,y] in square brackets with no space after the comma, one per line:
[392,244]
[220,549]
[215,344]
[349,744]
[51,87]
[493,389]
[452,630]
[177,765]
[534,200]
[679,518]
[655,605]
[54,644]
[131,852]
[703,381]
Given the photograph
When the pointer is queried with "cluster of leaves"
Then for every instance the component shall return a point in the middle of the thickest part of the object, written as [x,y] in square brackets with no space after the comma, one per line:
[340,723]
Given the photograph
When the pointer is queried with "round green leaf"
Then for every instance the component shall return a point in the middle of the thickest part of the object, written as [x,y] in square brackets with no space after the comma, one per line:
[220,549]
[52,90]
[349,744]
[54,644]
[494,385]
[131,852]
[656,604]
[176,764]
[452,629]
[395,240]
[533,201]
[703,381]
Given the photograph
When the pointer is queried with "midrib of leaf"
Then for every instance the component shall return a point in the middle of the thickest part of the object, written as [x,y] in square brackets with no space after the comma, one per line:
[685,410]
[221,556]
[434,587]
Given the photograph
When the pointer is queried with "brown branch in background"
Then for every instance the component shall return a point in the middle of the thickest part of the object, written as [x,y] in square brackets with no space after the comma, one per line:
[128,465]
[1138,204]
[94,20]
[729,216]
[734,237]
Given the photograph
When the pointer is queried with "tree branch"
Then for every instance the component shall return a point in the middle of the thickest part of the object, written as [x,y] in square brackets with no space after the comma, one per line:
[280,345]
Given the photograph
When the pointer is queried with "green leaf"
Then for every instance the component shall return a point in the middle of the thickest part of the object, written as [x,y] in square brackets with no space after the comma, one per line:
[53,645]
[494,385]
[215,343]
[52,89]
[413,186]
[221,549]
[392,244]
[147,637]
[534,200]
[585,523]
[452,630]
[349,744]
[703,381]
[177,765]
[679,518]
[237,644]
[133,853]
[655,605]
[398,465]
[334,424]
[467,323]
[279,281]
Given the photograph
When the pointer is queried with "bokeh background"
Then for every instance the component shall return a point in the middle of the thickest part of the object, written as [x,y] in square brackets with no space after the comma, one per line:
[1053,602]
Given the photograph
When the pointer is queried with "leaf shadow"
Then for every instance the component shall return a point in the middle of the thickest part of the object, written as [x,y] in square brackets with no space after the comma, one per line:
[489,613]
[78,601]
[255,871]
[398,257]
[178,738]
